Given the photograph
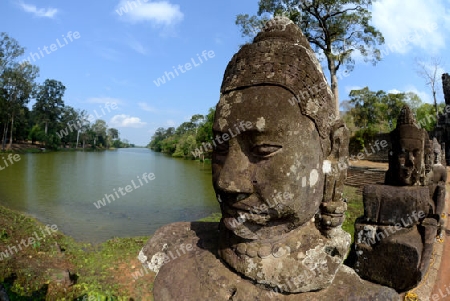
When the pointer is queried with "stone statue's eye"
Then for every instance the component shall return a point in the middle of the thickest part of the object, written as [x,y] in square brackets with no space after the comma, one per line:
[265,150]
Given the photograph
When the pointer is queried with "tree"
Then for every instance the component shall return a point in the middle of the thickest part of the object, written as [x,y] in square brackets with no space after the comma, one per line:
[390,107]
[197,119]
[431,72]
[10,51]
[185,146]
[182,141]
[49,102]
[17,87]
[185,127]
[335,28]
[13,77]
[413,100]
[36,134]
[157,138]
[378,110]
[69,125]
[425,115]
[204,133]
[111,135]
[371,112]
[99,131]
[365,103]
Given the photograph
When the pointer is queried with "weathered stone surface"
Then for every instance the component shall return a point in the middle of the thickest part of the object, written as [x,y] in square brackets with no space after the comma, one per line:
[442,129]
[407,157]
[391,205]
[395,237]
[446,87]
[201,275]
[438,172]
[294,147]
[279,181]
[304,255]
[393,261]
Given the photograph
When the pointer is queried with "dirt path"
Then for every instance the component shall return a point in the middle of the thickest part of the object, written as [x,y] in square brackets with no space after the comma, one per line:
[369,164]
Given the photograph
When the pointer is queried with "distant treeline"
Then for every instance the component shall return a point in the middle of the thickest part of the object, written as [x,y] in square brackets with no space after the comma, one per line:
[50,122]
[183,141]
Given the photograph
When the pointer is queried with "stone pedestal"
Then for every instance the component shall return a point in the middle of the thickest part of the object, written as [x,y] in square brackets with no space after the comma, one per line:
[394,239]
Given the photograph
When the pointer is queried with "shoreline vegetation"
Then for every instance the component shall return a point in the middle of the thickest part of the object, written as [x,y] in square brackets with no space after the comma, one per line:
[28,147]
[59,268]
[184,141]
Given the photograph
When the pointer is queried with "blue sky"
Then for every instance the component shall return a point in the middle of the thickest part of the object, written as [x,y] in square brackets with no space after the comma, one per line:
[103,54]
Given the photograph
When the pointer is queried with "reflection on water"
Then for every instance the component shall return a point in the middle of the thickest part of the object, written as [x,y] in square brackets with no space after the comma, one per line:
[61,188]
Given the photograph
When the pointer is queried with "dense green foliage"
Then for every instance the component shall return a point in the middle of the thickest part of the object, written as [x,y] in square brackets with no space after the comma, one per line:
[184,140]
[50,122]
[334,28]
[371,112]
[38,272]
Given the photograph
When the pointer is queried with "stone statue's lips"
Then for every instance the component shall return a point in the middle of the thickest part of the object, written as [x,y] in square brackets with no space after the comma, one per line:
[236,214]
[245,202]
[246,215]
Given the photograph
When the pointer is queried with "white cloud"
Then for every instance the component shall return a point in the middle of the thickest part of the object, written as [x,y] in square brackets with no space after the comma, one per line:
[424,96]
[394,91]
[146,107]
[126,121]
[413,23]
[104,100]
[41,12]
[170,122]
[157,12]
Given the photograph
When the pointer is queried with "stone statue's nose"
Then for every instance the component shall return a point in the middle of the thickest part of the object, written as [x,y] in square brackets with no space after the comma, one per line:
[235,176]
[410,159]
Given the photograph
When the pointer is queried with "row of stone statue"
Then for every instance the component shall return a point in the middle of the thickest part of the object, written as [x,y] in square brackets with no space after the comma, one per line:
[292,247]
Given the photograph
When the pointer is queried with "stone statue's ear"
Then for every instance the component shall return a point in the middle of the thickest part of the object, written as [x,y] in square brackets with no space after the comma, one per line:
[333,205]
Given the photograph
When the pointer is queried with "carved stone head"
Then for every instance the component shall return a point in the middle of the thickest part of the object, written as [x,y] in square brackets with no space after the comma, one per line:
[277,178]
[437,152]
[407,157]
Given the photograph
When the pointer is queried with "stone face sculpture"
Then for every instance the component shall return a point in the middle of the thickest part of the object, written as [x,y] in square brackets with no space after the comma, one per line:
[282,154]
[394,238]
[279,185]
[406,159]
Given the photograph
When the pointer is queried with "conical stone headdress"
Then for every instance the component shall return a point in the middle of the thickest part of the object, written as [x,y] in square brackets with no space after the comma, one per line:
[280,55]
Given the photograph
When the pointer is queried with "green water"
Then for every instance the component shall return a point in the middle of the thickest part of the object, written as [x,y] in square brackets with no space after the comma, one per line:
[61,188]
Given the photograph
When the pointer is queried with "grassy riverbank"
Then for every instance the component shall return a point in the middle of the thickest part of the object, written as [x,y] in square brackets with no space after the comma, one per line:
[55,267]
[52,266]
